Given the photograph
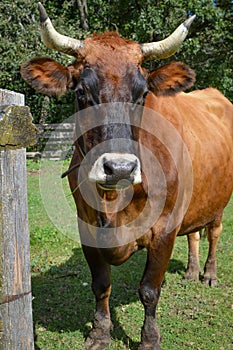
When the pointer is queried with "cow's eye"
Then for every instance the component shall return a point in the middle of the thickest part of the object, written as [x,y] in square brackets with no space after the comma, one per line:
[145,94]
[141,99]
[81,92]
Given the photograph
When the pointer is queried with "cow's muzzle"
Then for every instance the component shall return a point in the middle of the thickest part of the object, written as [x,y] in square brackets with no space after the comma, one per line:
[116,171]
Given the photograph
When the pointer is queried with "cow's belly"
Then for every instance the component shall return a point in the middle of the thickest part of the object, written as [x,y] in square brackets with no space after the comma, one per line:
[206,206]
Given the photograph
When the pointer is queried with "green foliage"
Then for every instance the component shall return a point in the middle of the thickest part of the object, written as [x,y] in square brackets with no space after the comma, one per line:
[208,48]
[19,42]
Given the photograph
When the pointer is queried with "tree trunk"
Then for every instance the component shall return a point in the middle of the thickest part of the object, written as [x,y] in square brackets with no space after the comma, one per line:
[82,6]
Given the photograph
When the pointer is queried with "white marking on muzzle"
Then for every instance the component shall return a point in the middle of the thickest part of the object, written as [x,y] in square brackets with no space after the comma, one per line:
[97,173]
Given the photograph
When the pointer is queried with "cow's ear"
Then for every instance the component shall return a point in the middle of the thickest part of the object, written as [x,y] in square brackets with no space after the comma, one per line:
[46,76]
[170,79]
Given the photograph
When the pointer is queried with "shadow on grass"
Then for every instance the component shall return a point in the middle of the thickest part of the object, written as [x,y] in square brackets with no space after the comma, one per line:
[63,300]
[176,266]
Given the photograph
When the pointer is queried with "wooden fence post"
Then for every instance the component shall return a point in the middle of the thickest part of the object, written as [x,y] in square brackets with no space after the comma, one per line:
[16,132]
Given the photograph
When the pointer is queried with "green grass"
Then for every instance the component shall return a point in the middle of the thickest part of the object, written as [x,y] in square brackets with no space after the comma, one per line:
[190,315]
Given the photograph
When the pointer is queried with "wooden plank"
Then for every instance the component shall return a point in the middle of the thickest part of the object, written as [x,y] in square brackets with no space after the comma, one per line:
[57,142]
[57,135]
[61,126]
[56,155]
[16,326]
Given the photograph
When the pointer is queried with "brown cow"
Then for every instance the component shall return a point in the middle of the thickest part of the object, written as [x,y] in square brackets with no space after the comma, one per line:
[157,162]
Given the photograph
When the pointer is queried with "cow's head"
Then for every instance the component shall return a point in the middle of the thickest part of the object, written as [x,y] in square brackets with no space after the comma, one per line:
[107,72]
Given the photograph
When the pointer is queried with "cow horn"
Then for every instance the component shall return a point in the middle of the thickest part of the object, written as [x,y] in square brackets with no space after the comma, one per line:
[167,47]
[53,40]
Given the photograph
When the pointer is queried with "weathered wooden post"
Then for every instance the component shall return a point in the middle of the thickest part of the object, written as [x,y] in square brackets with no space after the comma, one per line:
[16,132]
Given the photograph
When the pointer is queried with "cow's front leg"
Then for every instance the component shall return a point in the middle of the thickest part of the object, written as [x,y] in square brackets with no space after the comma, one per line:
[158,255]
[99,337]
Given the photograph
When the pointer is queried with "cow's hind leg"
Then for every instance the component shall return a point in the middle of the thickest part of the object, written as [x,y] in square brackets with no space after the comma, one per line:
[193,268]
[99,337]
[158,255]
[213,230]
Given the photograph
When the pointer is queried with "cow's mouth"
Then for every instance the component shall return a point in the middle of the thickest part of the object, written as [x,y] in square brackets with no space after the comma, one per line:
[121,185]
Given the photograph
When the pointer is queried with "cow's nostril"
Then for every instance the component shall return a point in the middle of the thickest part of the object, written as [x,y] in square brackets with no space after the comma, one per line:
[108,169]
[133,167]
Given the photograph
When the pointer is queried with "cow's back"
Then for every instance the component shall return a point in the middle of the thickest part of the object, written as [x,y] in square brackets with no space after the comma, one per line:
[204,119]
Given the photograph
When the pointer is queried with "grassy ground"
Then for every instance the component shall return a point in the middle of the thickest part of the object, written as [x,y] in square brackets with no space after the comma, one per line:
[190,315]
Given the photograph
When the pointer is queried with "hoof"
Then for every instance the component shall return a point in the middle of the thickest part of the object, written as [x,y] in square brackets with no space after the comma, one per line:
[192,273]
[93,344]
[191,276]
[97,340]
[144,346]
[210,281]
